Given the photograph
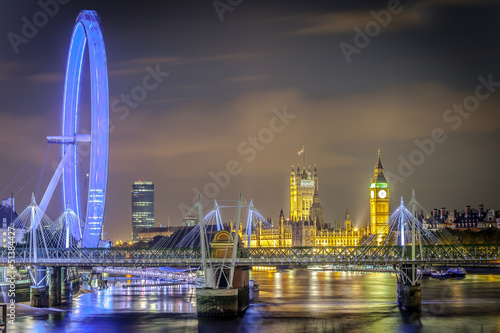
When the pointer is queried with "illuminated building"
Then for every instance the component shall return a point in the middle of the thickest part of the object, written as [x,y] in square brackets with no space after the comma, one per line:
[306,213]
[346,235]
[7,216]
[306,226]
[298,234]
[143,207]
[302,189]
[379,198]
[280,236]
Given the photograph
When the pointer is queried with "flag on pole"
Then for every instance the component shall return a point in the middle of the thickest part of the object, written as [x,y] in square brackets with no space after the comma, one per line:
[300,152]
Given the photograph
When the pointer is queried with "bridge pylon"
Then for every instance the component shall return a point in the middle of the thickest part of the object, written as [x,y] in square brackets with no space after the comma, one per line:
[404,235]
[409,276]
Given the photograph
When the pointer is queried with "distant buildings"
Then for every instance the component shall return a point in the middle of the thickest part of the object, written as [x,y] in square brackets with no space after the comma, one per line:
[469,218]
[305,226]
[7,216]
[143,207]
[148,234]
[189,221]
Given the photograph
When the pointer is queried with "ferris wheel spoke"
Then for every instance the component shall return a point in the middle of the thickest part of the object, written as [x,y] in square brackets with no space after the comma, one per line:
[55,179]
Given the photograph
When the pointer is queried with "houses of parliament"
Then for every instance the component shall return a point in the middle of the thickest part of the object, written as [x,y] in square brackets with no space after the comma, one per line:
[305,225]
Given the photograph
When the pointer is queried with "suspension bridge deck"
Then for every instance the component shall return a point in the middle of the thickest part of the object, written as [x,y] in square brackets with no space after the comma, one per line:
[432,255]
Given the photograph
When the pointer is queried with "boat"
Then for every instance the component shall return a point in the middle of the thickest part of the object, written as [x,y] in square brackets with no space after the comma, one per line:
[424,272]
[439,274]
[457,272]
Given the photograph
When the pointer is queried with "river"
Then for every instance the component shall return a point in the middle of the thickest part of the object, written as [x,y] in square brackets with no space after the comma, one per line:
[290,301]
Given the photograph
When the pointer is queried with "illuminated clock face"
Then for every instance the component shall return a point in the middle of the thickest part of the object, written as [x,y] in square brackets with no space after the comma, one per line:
[382,194]
[373,194]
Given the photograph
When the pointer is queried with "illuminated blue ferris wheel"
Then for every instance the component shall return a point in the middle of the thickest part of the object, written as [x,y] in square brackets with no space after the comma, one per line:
[85,197]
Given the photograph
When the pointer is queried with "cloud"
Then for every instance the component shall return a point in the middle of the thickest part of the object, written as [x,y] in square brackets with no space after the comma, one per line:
[135,66]
[443,3]
[247,78]
[211,132]
[8,68]
[45,78]
[342,22]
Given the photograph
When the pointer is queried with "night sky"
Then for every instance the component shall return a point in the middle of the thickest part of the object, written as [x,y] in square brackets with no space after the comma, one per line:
[249,84]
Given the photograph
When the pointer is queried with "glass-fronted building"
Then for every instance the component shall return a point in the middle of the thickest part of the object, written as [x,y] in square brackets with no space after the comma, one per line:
[143,207]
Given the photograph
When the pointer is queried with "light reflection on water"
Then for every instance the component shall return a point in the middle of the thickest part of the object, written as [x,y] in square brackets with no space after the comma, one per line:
[289,301]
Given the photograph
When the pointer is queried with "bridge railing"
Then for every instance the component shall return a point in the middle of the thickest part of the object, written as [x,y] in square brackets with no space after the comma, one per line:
[428,252]
[89,256]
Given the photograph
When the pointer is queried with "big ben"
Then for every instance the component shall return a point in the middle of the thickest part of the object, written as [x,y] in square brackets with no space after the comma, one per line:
[379,198]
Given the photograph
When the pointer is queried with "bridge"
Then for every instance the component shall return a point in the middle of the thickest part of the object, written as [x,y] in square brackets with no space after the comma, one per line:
[270,256]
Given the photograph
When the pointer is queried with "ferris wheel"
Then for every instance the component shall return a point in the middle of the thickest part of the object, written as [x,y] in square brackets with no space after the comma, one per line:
[84,187]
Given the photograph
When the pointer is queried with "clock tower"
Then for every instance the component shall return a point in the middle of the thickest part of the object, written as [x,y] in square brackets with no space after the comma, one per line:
[379,198]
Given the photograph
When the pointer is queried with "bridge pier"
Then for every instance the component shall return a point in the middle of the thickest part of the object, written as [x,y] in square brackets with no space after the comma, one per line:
[226,291]
[39,293]
[410,296]
[66,286]
[55,287]
[40,272]
[409,290]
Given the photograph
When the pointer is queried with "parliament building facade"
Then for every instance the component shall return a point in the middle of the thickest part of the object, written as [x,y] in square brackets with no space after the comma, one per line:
[305,226]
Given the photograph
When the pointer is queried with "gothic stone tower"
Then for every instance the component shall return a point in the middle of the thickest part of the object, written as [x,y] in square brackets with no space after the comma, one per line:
[306,212]
[303,184]
[379,198]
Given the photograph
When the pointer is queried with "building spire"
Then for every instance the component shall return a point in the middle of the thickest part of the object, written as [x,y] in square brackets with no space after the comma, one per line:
[378,176]
[379,163]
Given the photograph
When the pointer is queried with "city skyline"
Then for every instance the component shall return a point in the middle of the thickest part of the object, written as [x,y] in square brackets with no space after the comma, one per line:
[240,96]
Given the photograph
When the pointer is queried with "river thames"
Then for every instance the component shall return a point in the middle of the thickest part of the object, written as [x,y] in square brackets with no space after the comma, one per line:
[290,301]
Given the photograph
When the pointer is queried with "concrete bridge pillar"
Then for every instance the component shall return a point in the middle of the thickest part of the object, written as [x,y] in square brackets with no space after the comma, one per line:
[39,293]
[40,272]
[55,287]
[66,286]
[409,290]
[410,296]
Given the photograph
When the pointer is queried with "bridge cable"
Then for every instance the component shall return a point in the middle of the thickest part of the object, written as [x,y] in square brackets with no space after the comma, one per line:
[23,168]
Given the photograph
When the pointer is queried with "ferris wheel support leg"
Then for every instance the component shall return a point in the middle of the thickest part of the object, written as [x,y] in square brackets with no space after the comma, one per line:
[55,179]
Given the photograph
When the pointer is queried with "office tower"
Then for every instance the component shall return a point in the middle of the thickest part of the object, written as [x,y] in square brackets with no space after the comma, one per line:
[143,207]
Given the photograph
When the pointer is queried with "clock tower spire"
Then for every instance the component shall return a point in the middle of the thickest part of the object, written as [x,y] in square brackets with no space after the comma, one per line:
[379,198]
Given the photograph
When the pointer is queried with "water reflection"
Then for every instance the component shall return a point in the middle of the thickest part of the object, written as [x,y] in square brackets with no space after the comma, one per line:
[288,301]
